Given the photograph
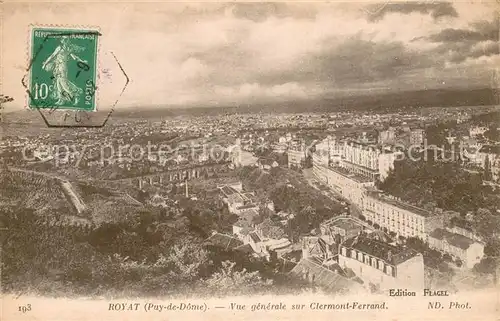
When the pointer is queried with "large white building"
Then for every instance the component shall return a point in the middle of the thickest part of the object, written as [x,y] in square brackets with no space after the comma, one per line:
[362,159]
[382,265]
[488,158]
[387,137]
[458,246]
[296,155]
[351,186]
[417,137]
[401,218]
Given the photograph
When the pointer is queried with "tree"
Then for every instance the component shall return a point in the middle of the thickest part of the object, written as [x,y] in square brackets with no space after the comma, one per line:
[486,266]
[376,226]
[486,223]
[438,184]
[492,134]
[458,262]
[492,248]
[362,217]
[229,281]
[186,260]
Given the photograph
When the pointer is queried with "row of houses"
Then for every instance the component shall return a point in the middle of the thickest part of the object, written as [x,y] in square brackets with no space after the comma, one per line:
[365,255]
[263,238]
[395,216]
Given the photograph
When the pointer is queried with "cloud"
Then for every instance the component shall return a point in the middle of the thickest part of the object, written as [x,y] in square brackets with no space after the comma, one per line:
[478,31]
[437,10]
[461,51]
[195,53]
[488,48]
[259,11]
[358,60]
[251,92]
[193,68]
[457,35]
[457,45]
[352,63]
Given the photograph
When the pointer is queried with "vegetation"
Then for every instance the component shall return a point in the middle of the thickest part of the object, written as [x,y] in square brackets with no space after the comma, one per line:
[439,184]
[151,254]
[291,194]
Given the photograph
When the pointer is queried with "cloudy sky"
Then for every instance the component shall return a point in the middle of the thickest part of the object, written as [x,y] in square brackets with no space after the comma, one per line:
[209,54]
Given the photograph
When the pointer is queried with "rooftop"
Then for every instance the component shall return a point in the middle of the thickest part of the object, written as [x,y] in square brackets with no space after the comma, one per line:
[247,206]
[246,218]
[331,279]
[457,240]
[391,254]
[235,198]
[278,244]
[224,241]
[266,161]
[255,237]
[228,190]
[404,206]
[245,248]
[346,224]
[249,213]
[358,178]
[271,229]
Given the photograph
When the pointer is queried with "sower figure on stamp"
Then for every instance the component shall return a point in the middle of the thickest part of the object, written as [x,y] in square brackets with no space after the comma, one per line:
[57,63]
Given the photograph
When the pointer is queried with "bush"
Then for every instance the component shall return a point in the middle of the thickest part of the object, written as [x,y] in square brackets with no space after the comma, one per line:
[487,265]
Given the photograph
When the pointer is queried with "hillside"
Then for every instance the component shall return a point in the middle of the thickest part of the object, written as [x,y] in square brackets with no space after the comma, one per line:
[378,102]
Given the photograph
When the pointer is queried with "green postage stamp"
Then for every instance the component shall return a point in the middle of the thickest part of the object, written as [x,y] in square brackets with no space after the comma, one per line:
[63,69]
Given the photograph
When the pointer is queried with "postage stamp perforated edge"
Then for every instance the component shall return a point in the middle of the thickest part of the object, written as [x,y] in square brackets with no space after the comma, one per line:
[29,49]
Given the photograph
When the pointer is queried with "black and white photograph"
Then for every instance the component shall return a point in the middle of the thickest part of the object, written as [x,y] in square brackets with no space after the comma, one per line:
[250,160]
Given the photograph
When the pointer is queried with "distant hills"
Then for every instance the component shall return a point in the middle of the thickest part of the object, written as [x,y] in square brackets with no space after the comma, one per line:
[378,102]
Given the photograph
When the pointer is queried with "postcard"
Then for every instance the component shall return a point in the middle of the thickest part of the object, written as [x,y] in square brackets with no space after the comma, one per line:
[249,160]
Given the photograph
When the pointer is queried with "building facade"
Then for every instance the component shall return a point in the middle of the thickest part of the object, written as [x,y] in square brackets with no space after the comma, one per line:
[382,265]
[417,137]
[361,159]
[343,226]
[398,217]
[467,250]
[387,137]
[349,185]
[296,157]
